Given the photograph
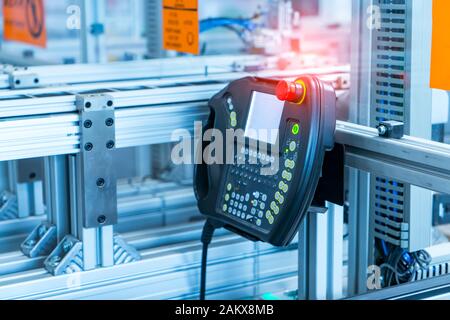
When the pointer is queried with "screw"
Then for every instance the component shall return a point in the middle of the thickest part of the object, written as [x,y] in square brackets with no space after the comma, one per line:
[100,182]
[54,261]
[30,243]
[88,105]
[109,122]
[67,246]
[88,146]
[110,144]
[41,231]
[36,80]
[109,103]
[17,82]
[382,130]
[32,176]
[88,124]
[101,219]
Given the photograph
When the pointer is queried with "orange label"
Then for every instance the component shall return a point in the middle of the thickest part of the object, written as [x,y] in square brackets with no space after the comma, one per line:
[181,26]
[24,21]
[440,54]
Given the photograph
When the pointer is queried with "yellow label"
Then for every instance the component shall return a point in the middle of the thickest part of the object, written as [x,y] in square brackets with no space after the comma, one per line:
[440,54]
[24,21]
[181,26]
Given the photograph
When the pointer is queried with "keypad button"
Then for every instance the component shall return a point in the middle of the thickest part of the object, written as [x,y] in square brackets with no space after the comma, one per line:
[231,202]
[242,198]
[227,197]
[247,197]
[224,208]
[256,194]
[236,204]
[289,164]
[274,207]
[258,222]
[264,197]
[229,186]
[283,187]
[239,213]
[279,197]
[292,146]
[262,205]
[253,211]
[244,208]
[240,205]
[230,210]
[234,211]
[287,175]
[271,220]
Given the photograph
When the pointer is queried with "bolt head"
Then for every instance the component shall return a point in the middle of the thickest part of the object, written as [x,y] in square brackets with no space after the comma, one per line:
[88,146]
[100,182]
[54,261]
[109,122]
[101,219]
[30,243]
[67,246]
[88,124]
[41,231]
[382,130]
[110,144]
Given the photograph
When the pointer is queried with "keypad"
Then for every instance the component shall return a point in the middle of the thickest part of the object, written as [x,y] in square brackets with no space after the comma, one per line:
[254,197]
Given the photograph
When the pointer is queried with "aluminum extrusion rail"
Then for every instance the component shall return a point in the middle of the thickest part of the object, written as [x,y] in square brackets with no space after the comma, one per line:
[44,122]
[411,160]
[130,70]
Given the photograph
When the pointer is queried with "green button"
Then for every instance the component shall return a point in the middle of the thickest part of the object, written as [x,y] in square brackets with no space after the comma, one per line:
[227,197]
[233,115]
[271,220]
[292,146]
[287,175]
[258,222]
[225,207]
[289,164]
[277,210]
[229,186]
[279,197]
[295,129]
[233,122]
[273,205]
[283,187]
[269,215]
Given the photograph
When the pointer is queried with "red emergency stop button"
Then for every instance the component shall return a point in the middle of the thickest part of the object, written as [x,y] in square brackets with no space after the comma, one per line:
[291,91]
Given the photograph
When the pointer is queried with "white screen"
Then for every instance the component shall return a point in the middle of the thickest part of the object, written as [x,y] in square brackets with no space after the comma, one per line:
[265,115]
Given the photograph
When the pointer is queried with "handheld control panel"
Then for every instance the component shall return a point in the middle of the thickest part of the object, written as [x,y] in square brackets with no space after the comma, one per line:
[275,136]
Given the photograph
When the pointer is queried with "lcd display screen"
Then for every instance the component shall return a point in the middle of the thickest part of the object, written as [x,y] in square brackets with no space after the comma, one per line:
[264,118]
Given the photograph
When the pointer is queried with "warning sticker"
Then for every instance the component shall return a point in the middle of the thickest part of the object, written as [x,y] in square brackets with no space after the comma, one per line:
[181,26]
[24,21]
[440,62]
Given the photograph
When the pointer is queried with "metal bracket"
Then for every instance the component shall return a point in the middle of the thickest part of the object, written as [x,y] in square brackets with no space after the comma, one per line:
[40,242]
[98,197]
[21,78]
[8,206]
[68,255]
[391,129]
